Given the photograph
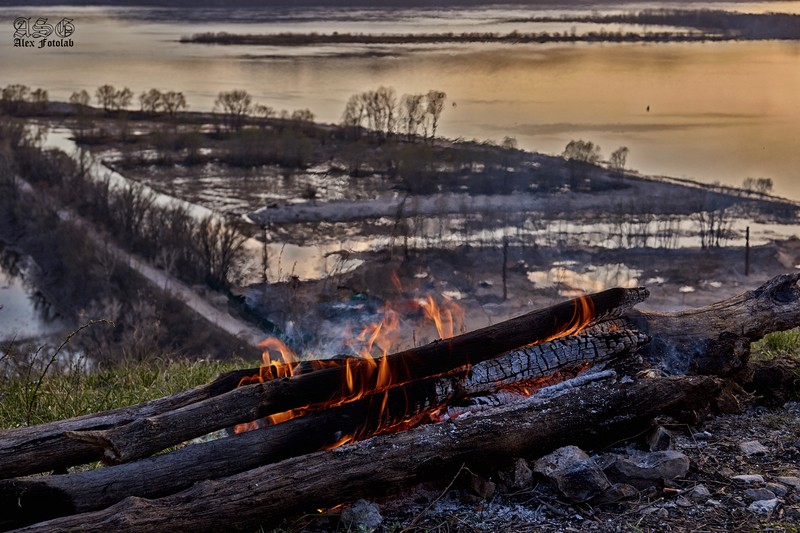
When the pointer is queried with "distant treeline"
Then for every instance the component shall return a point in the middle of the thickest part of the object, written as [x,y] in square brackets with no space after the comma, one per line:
[723,23]
[306,39]
[710,26]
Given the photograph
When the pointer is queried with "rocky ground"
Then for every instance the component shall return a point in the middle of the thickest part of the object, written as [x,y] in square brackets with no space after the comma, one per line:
[732,472]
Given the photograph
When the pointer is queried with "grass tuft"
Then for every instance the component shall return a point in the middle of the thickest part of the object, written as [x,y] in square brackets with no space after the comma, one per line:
[42,384]
[780,343]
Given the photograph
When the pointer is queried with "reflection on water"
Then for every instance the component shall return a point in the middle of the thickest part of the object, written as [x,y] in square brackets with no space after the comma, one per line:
[591,278]
[714,111]
[24,312]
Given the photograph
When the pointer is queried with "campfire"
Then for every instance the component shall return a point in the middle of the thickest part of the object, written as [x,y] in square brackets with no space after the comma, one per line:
[531,384]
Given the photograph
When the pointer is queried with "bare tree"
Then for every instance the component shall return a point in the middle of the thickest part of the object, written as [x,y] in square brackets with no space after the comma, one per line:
[303,115]
[122,98]
[172,102]
[582,151]
[235,105]
[219,245]
[714,218]
[105,96]
[264,111]
[435,106]
[131,206]
[150,101]
[354,112]
[39,100]
[619,158]
[412,113]
[386,104]
[80,98]
[760,185]
[15,97]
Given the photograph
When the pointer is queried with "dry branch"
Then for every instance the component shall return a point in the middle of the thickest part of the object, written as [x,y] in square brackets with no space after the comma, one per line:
[385,464]
[39,498]
[252,402]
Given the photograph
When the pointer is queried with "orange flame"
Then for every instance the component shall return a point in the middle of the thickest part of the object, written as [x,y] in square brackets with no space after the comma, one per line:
[449,318]
[582,315]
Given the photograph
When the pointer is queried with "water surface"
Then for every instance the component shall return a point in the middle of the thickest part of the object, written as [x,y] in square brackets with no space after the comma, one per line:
[711,111]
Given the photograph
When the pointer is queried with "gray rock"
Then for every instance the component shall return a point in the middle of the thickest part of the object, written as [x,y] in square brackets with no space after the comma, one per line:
[763,507]
[791,481]
[362,514]
[680,501]
[700,493]
[522,475]
[777,489]
[648,469]
[755,495]
[659,440]
[753,447]
[575,474]
[749,479]
[792,513]
[617,492]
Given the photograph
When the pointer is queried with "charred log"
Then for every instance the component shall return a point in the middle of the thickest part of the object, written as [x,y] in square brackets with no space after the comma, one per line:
[387,463]
[715,339]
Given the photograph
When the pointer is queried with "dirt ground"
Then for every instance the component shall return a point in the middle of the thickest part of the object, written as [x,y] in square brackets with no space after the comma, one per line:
[715,458]
[708,499]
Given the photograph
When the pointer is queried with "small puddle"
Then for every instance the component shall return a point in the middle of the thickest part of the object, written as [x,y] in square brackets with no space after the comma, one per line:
[591,278]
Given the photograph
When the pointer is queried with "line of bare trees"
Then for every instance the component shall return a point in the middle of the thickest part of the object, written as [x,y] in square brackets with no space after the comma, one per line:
[381,111]
[17,99]
[237,105]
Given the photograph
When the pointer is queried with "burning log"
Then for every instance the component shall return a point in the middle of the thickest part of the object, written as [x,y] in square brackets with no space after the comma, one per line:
[149,435]
[387,463]
[38,498]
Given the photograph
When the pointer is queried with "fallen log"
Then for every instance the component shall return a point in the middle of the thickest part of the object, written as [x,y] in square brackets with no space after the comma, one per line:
[589,416]
[44,447]
[146,436]
[34,499]
[715,339]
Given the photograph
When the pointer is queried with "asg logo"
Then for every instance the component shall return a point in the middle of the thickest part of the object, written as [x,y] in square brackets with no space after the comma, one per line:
[26,32]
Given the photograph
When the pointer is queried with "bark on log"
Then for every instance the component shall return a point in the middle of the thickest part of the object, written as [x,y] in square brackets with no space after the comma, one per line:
[256,401]
[715,339]
[388,463]
[30,500]
[44,447]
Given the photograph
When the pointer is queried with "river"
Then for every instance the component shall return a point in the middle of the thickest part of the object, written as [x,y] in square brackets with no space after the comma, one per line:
[709,111]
